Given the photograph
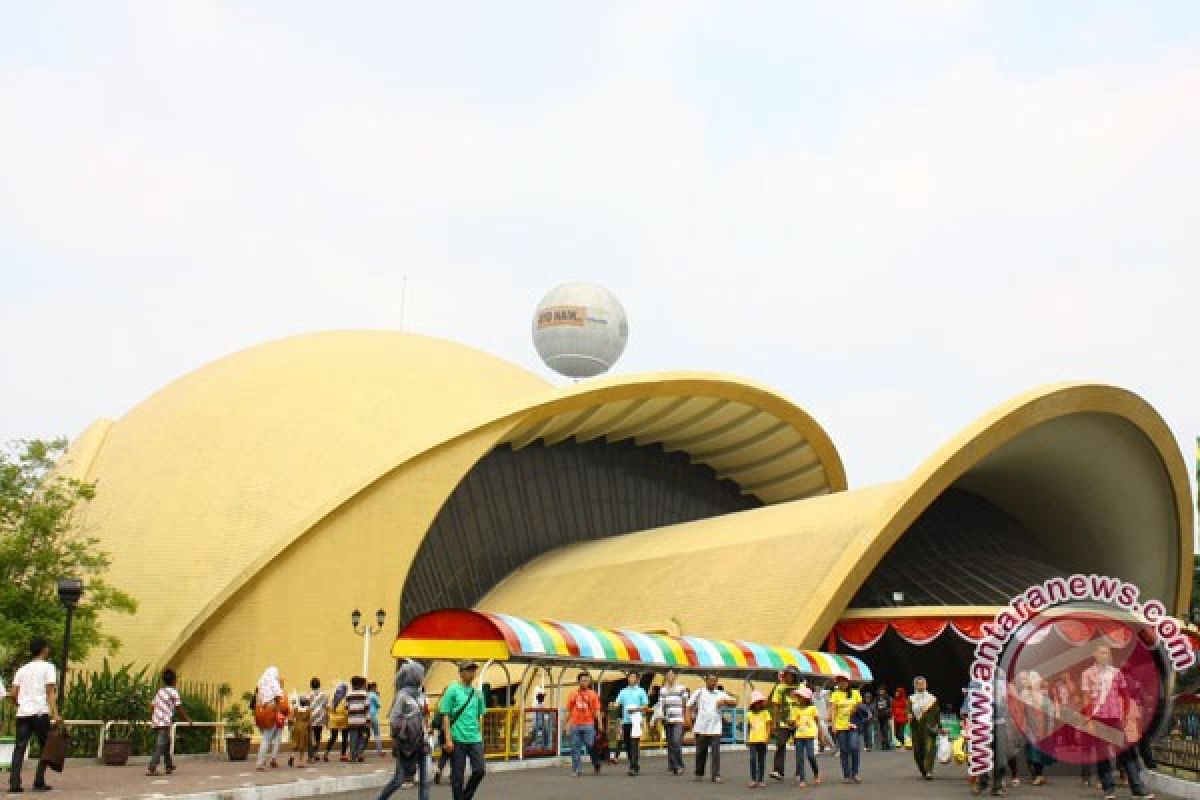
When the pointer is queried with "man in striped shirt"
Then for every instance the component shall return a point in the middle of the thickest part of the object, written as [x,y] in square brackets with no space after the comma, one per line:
[162,717]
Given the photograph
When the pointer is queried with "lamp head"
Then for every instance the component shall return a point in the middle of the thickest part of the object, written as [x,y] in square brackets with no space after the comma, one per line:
[380,617]
[69,591]
[355,618]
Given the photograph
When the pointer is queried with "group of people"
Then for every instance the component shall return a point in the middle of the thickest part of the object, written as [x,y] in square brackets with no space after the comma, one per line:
[1097,720]
[350,714]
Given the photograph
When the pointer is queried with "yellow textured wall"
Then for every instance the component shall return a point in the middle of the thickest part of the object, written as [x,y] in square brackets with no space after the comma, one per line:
[205,481]
[296,613]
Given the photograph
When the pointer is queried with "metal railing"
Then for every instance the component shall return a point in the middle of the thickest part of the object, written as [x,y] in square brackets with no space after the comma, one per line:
[1180,747]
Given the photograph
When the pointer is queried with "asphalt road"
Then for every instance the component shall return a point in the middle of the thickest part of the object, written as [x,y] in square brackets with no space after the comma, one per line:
[889,775]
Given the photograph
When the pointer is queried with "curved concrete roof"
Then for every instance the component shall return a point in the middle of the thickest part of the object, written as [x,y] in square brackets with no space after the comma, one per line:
[1092,471]
[232,464]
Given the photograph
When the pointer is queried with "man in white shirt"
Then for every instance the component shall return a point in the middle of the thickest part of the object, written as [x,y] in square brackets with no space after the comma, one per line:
[704,713]
[34,691]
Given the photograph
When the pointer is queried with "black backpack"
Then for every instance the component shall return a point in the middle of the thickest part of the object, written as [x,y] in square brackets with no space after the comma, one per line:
[408,725]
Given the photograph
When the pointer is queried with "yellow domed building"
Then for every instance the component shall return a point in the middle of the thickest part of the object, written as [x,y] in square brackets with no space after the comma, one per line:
[250,505]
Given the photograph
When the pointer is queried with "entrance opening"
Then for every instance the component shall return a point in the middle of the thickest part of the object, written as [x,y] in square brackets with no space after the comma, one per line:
[944,662]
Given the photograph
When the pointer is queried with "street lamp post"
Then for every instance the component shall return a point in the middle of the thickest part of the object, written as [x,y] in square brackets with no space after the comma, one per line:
[367,631]
[69,592]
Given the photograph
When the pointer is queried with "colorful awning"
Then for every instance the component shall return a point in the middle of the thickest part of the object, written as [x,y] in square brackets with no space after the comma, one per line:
[462,633]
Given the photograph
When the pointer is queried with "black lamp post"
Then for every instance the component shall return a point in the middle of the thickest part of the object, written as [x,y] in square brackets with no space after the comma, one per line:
[69,592]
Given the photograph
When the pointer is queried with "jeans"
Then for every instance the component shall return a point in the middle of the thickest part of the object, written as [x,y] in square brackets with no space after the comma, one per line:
[27,728]
[377,735]
[583,740]
[758,761]
[162,750]
[463,752]
[806,748]
[674,731]
[543,735]
[632,746]
[848,750]
[359,738]
[704,744]
[418,764]
[782,735]
[1127,759]
[868,734]
[885,733]
[270,742]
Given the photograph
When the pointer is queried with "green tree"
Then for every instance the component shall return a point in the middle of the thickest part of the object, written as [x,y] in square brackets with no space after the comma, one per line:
[40,542]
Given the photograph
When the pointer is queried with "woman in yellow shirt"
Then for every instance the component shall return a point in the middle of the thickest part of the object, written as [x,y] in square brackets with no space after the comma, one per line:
[758,732]
[805,721]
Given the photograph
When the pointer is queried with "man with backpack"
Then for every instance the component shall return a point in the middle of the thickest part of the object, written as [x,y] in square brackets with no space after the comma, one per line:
[462,710]
[410,743]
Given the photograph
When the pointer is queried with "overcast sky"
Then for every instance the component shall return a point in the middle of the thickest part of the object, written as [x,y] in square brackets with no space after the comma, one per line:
[897,214]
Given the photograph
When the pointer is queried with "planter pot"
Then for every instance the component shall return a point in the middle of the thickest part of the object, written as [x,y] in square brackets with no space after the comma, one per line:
[6,750]
[116,752]
[238,747]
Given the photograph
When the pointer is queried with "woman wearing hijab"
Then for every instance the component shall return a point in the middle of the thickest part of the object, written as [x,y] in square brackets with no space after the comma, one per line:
[925,720]
[339,720]
[270,715]
[411,697]
[900,714]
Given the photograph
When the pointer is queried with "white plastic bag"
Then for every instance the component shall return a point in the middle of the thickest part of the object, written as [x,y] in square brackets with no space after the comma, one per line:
[945,751]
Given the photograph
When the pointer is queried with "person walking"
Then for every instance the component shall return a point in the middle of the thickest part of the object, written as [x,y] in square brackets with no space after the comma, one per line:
[583,717]
[925,721]
[672,699]
[462,710]
[318,717]
[1040,727]
[783,701]
[899,715]
[162,717]
[805,722]
[843,703]
[270,715]
[339,720]
[704,716]
[35,691]
[633,702]
[867,732]
[883,717]
[358,718]
[374,704]
[1105,692]
[410,742]
[758,732]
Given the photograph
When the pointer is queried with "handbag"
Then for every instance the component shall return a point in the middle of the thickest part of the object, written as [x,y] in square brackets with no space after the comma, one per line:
[54,754]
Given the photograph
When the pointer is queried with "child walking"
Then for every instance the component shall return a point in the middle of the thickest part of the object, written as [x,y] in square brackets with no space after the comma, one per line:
[374,703]
[166,702]
[358,717]
[758,732]
[301,726]
[806,721]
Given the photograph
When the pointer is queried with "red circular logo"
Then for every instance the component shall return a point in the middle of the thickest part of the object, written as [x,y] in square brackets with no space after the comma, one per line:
[1081,683]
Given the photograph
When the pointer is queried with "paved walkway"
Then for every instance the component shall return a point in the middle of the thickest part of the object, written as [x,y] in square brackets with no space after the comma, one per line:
[885,775]
[195,775]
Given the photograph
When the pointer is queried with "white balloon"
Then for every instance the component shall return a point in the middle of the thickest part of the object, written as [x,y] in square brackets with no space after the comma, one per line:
[580,329]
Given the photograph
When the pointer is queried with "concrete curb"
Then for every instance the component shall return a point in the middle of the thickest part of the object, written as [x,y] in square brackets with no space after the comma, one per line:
[1158,782]
[315,787]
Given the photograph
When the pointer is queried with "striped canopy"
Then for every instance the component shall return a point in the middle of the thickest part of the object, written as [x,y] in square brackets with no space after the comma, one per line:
[462,633]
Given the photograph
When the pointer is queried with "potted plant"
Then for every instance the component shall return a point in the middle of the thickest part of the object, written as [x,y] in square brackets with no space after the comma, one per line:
[123,698]
[237,732]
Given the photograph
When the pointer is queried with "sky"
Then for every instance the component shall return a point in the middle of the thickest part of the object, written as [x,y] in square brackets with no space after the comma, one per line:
[897,214]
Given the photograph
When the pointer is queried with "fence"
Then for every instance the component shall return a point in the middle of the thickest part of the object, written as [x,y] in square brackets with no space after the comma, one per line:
[1180,748]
